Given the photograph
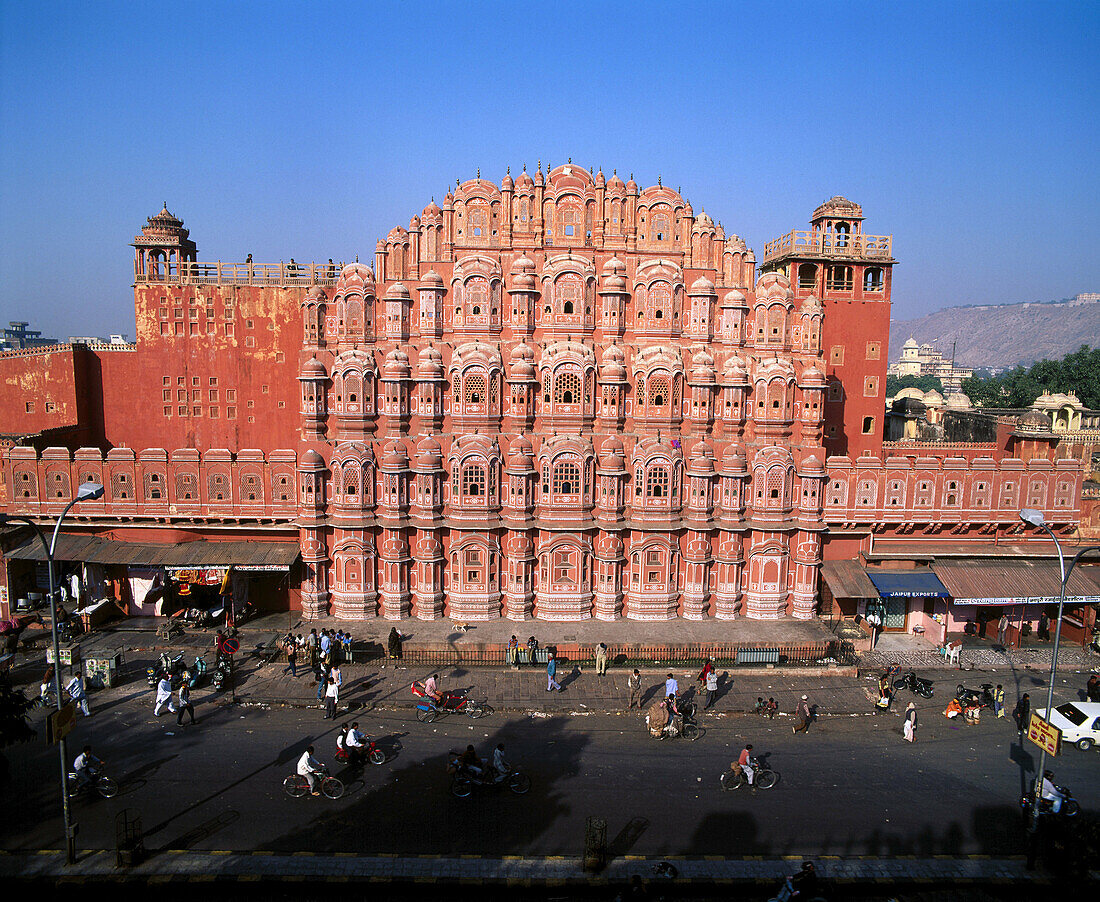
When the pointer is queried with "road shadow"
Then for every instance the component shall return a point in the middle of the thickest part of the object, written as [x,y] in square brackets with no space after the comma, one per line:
[625,839]
[413,809]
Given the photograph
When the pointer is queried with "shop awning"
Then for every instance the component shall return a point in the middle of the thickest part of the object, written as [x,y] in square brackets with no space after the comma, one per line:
[907,584]
[847,579]
[258,555]
[1016,582]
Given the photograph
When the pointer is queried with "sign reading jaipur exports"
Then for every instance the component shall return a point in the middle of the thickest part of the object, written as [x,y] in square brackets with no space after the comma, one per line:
[1044,735]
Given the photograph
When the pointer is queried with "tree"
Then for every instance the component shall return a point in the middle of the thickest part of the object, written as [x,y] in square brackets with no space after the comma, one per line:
[1078,372]
[894,384]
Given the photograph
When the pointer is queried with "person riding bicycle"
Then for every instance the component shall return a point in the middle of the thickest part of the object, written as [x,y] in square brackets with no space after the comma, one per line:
[356,744]
[673,710]
[745,763]
[804,884]
[471,762]
[87,768]
[310,768]
[1051,793]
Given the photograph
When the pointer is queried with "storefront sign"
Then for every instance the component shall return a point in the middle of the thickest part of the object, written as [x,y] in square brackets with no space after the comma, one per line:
[1044,734]
[1070,599]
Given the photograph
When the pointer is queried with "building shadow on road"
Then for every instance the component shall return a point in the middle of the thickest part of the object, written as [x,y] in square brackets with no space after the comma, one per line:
[413,808]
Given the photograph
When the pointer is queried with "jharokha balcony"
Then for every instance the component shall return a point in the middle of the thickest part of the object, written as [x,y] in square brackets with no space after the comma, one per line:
[189,272]
[832,243]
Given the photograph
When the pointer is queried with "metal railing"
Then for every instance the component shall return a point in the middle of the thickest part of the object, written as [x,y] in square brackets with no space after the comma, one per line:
[219,273]
[829,244]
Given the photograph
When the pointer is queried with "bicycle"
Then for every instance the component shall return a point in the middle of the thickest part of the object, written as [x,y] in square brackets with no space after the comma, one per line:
[100,783]
[297,786]
[763,778]
[452,702]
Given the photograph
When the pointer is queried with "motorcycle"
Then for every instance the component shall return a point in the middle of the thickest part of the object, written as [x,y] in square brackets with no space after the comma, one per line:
[369,751]
[915,684]
[198,672]
[167,665]
[465,779]
[222,673]
[1070,806]
[975,698]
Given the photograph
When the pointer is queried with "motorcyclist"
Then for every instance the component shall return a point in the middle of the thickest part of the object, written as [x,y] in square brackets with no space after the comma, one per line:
[1051,793]
[86,765]
[471,762]
[356,743]
[310,768]
[499,766]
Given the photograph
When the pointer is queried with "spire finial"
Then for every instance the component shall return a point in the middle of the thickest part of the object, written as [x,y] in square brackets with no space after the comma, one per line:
[570,159]
[508,170]
[540,165]
[479,172]
[658,181]
[525,166]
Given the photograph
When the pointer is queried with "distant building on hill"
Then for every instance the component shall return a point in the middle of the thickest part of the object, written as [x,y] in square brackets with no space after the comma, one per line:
[924,360]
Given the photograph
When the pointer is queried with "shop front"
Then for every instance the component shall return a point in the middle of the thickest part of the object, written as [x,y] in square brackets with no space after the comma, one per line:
[1027,591]
[911,601]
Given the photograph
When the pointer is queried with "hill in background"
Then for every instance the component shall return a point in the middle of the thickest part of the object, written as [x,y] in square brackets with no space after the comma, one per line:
[1004,335]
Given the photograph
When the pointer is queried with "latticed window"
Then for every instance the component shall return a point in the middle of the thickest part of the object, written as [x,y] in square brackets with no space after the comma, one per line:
[218,486]
[567,479]
[61,485]
[546,387]
[26,485]
[474,388]
[282,488]
[120,485]
[250,488]
[659,387]
[473,481]
[185,486]
[567,388]
[563,567]
[353,388]
[351,480]
[641,390]
[656,484]
[774,484]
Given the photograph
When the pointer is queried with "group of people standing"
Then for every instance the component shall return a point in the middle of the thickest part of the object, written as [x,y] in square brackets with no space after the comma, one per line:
[323,652]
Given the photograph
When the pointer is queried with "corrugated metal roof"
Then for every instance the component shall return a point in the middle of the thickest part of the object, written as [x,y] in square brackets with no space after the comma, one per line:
[847,579]
[1007,581]
[95,550]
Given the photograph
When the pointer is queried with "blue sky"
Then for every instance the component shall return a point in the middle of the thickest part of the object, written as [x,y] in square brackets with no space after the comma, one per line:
[967,130]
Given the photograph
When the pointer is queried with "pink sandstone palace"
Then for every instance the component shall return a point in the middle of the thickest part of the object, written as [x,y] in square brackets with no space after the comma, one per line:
[561,397]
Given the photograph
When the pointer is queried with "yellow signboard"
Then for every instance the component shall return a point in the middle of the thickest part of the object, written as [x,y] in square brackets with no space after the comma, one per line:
[59,724]
[1044,734]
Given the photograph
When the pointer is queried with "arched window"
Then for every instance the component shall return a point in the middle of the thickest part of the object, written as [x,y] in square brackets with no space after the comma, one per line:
[659,390]
[567,478]
[659,228]
[473,481]
[567,388]
[474,388]
[657,482]
[872,278]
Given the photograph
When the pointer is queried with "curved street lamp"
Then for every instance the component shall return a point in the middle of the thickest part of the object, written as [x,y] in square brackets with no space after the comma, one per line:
[88,491]
[1035,518]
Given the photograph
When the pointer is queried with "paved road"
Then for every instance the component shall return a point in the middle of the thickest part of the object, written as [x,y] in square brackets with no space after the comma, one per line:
[851,786]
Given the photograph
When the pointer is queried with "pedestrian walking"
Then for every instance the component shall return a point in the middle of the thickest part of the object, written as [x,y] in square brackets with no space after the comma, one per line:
[999,700]
[909,726]
[712,687]
[164,696]
[634,685]
[1044,627]
[551,670]
[291,656]
[532,651]
[1092,688]
[512,654]
[334,672]
[184,704]
[708,668]
[802,712]
[77,693]
[47,685]
[1022,712]
[671,686]
[322,679]
[601,659]
[1002,629]
[332,697]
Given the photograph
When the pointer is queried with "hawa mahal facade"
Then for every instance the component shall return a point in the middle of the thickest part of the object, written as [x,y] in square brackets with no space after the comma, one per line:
[561,397]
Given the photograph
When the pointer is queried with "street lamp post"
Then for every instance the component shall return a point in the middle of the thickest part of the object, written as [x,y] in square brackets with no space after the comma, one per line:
[1035,518]
[87,491]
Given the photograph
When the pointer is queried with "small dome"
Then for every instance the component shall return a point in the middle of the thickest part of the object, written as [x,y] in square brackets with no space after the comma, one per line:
[313,369]
[521,366]
[838,206]
[430,365]
[933,398]
[397,291]
[615,183]
[614,266]
[507,182]
[524,180]
[702,460]
[600,181]
[429,456]
[909,406]
[523,281]
[394,457]
[432,210]
[702,285]
[704,221]
[609,544]
[1033,421]
[811,466]
[813,376]
[523,263]
[733,459]
[611,456]
[911,343]
[735,298]
[957,401]
[311,460]
[811,305]
[431,279]
[396,365]
[734,368]
[631,186]
[316,295]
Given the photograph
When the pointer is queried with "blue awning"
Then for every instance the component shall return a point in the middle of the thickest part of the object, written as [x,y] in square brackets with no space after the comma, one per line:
[908,584]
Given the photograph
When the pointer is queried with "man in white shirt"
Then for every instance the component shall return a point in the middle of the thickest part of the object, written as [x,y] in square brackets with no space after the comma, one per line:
[671,686]
[1051,794]
[164,697]
[499,764]
[86,765]
[355,742]
[310,768]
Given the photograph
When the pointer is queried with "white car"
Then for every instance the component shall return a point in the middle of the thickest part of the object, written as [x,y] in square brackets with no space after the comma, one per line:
[1078,721]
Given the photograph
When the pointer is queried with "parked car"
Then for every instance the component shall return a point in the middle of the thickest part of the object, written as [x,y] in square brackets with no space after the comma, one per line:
[1078,721]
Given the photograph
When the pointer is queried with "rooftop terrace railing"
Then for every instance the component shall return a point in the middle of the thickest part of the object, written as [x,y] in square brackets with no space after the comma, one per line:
[829,244]
[219,273]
